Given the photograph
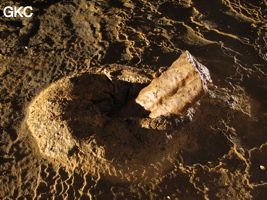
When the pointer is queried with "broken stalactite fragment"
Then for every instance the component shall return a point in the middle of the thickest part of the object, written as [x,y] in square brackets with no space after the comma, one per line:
[176,89]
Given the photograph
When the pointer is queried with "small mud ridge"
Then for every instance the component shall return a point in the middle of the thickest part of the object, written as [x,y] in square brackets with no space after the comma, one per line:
[76,123]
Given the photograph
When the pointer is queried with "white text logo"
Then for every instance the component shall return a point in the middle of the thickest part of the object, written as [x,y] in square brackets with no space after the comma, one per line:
[14,11]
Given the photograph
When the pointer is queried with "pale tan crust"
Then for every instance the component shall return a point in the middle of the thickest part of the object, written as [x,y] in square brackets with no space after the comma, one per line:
[176,89]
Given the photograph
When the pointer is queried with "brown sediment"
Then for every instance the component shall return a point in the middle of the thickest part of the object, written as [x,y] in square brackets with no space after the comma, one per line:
[71,123]
[62,139]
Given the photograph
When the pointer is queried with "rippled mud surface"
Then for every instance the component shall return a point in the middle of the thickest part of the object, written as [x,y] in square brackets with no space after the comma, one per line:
[70,130]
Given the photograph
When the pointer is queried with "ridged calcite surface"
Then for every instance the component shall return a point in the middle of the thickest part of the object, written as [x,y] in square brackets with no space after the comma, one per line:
[176,89]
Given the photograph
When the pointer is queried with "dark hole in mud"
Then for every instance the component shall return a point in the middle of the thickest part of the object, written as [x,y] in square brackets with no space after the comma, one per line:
[96,98]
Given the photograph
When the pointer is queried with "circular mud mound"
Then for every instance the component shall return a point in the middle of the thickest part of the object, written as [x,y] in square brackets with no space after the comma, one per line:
[75,123]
